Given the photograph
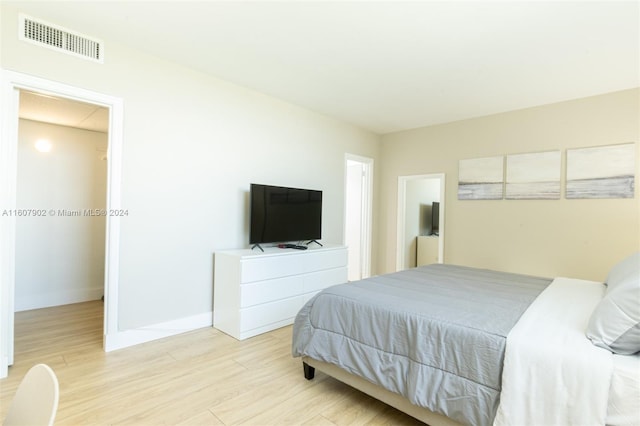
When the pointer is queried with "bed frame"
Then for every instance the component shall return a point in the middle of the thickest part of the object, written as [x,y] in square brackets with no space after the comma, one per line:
[390,398]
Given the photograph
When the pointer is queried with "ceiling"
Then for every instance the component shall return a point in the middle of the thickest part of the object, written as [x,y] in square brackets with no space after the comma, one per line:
[385,66]
[64,112]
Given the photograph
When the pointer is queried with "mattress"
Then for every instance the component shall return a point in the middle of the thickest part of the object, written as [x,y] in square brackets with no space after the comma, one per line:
[553,374]
[623,407]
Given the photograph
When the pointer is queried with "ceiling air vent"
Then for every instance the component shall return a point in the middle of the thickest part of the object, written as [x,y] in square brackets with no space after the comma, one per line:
[60,39]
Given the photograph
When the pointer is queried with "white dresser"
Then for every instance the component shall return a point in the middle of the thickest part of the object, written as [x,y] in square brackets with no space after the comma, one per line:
[255,292]
[427,250]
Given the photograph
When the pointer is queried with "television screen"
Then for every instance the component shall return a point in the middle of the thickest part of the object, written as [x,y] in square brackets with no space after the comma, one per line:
[280,214]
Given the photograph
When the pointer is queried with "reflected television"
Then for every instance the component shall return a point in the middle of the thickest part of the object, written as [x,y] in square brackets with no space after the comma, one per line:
[435,218]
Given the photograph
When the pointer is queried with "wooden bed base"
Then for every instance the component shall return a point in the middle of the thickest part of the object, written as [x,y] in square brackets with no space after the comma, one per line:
[393,399]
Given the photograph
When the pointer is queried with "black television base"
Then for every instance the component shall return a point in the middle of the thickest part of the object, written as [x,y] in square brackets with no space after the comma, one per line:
[257,245]
[315,241]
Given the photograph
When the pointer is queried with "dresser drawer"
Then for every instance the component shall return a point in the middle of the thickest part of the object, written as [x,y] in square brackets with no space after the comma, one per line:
[322,279]
[269,290]
[268,267]
[322,260]
[269,313]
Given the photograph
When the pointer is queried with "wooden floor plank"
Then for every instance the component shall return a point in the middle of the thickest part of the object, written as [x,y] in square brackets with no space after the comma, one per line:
[203,377]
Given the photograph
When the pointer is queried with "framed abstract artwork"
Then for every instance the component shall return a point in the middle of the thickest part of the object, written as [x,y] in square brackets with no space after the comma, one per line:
[481,178]
[601,172]
[534,176]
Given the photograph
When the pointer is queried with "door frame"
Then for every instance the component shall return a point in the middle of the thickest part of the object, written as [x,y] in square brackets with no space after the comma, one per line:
[366,223]
[12,83]
[402,200]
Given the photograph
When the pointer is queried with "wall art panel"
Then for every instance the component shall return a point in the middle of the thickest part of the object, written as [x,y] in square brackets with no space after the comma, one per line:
[601,172]
[481,178]
[534,176]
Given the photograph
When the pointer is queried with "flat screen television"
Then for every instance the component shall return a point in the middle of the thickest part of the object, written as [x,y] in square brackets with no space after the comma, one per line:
[280,214]
[435,218]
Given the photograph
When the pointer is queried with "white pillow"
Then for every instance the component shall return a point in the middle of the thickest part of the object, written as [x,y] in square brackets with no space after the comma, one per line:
[615,322]
[630,266]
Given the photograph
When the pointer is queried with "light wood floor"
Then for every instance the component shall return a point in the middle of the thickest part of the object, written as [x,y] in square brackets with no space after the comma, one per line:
[201,378]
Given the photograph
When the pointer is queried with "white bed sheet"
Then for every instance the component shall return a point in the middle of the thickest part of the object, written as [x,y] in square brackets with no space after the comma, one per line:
[553,375]
[624,395]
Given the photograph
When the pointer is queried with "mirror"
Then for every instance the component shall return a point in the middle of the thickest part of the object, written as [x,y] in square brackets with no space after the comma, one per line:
[421,230]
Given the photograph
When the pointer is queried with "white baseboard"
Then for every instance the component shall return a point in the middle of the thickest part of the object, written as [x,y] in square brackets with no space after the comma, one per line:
[57,298]
[124,339]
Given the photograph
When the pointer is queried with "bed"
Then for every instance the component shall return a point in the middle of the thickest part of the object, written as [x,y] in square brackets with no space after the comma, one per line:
[456,345]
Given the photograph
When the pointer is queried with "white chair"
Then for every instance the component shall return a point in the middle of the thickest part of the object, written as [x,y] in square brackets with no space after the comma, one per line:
[36,400]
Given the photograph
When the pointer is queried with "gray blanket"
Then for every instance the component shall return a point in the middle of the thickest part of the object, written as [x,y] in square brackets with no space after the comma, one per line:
[434,334]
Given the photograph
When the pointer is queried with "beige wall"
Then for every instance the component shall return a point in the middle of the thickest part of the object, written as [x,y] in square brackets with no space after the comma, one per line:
[574,238]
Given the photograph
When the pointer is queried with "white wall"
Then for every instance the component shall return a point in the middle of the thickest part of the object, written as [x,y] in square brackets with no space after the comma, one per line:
[192,146]
[59,257]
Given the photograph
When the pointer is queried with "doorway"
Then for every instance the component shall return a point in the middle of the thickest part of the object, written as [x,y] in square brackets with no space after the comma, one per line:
[61,193]
[12,84]
[420,201]
[358,215]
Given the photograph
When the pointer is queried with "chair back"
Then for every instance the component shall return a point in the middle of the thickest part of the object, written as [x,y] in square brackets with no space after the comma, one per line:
[36,400]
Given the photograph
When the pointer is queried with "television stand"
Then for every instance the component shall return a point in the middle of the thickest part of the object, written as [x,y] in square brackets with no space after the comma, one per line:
[315,241]
[257,245]
[257,292]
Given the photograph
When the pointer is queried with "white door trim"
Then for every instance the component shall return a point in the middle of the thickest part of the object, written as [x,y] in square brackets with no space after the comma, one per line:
[12,82]
[367,211]
[402,200]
